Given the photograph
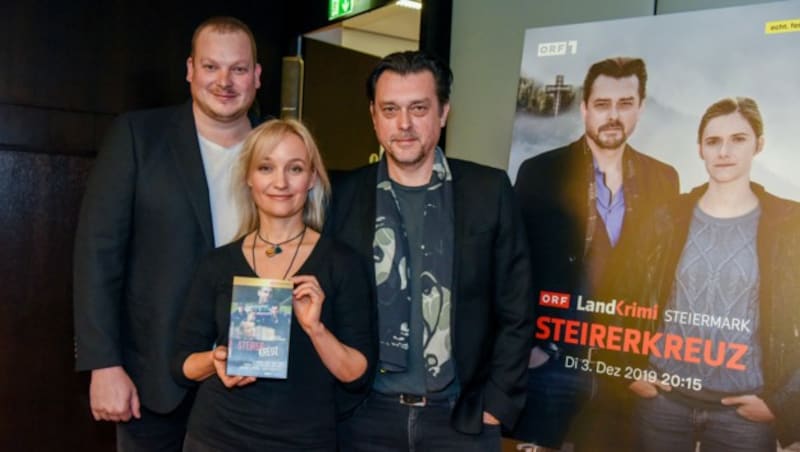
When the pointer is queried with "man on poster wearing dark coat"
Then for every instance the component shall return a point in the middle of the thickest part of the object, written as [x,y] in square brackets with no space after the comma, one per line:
[580,204]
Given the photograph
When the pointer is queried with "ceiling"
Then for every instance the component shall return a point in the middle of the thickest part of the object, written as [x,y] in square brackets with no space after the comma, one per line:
[390,20]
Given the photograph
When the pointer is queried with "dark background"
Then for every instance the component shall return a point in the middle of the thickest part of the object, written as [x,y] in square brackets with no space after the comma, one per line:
[67,69]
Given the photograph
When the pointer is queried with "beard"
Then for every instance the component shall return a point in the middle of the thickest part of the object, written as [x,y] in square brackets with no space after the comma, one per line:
[609,141]
[406,156]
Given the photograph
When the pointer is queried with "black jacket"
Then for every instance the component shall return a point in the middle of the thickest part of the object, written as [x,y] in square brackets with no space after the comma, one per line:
[553,192]
[492,321]
[144,223]
[778,249]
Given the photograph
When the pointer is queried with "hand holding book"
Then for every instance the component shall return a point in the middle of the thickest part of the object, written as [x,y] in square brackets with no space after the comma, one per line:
[344,362]
[307,303]
[219,358]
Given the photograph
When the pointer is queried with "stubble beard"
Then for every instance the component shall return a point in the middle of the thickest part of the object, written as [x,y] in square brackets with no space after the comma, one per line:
[223,116]
[411,162]
[609,143]
[217,110]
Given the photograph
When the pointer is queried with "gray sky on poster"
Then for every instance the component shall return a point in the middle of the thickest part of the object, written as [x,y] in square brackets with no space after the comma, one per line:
[693,59]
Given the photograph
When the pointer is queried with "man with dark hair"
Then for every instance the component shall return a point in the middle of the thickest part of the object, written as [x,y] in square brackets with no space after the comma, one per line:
[449,261]
[580,204]
[158,199]
[619,67]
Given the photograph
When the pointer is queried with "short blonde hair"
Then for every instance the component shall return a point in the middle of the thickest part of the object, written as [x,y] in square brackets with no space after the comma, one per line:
[259,143]
[224,25]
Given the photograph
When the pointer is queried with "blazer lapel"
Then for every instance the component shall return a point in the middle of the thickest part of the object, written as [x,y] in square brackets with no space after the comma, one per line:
[577,192]
[189,163]
[364,200]
[460,204]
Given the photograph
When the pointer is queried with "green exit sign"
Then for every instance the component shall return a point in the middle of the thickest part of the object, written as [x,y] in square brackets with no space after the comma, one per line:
[339,8]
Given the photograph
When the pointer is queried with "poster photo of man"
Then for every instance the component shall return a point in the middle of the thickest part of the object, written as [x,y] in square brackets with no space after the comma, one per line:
[654,160]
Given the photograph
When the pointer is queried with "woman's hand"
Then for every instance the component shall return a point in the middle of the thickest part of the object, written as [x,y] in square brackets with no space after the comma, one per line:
[750,407]
[307,303]
[219,357]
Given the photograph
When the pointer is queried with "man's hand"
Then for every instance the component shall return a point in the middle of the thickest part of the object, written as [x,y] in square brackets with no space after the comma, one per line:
[751,407]
[647,390]
[489,419]
[112,395]
[220,357]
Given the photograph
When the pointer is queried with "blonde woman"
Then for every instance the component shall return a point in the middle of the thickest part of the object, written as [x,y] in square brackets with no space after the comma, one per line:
[282,190]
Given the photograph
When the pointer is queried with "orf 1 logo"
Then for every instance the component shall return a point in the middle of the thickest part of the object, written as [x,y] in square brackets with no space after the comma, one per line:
[554,299]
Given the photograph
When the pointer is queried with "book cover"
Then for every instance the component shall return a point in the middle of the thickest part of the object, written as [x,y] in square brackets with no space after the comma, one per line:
[260,326]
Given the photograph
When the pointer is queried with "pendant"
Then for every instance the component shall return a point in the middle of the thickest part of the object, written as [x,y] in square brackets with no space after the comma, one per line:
[272,251]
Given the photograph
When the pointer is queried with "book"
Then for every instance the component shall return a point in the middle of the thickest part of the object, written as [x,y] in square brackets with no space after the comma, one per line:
[260,326]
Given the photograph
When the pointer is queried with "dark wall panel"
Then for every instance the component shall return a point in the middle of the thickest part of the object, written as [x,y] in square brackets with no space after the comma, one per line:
[113,56]
[335,104]
[43,402]
[68,69]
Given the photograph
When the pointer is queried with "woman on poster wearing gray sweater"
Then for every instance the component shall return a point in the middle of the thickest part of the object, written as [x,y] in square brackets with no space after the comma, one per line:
[724,269]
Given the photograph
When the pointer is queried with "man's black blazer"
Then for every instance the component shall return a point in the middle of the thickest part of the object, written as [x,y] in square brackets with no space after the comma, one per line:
[144,222]
[492,320]
[553,192]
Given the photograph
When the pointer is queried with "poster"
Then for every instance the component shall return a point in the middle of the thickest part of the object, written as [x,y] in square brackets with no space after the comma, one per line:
[633,286]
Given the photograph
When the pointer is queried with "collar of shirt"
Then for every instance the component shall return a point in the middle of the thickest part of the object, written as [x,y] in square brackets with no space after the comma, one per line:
[611,208]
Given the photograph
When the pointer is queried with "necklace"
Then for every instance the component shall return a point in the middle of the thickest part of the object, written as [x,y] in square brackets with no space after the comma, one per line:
[294,256]
[275,248]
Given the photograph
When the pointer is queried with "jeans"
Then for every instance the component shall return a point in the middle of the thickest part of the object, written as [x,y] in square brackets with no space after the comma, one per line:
[555,395]
[664,424]
[382,424]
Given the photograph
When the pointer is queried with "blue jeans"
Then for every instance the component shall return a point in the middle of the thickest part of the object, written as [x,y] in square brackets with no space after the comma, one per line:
[555,395]
[665,424]
[382,424]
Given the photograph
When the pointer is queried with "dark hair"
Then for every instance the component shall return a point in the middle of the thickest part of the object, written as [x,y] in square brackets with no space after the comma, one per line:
[413,62]
[618,67]
[226,24]
[745,106]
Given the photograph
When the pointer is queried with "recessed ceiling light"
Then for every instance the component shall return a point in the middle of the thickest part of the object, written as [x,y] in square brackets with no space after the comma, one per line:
[409,4]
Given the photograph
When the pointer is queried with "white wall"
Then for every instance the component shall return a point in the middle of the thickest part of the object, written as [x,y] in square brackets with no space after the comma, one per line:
[363,41]
[375,44]
[485,57]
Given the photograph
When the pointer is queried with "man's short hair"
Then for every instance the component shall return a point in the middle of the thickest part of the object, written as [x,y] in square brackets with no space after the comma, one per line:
[618,67]
[413,62]
[226,24]
[745,106]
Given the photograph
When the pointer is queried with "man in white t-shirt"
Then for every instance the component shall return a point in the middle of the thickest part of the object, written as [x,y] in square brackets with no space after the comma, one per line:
[156,201]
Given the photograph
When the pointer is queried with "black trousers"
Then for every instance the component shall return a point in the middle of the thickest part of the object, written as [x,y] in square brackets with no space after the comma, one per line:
[155,432]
